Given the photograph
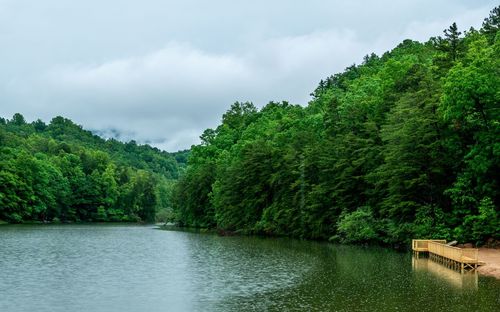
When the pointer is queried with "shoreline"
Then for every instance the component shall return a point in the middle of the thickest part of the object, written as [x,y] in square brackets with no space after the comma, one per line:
[491,258]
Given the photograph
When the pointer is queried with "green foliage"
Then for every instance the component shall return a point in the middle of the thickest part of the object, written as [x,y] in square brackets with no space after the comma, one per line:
[430,221]
[165,215]
[358,226]
[404,145]
[478,228]
[491,24]
[60,172]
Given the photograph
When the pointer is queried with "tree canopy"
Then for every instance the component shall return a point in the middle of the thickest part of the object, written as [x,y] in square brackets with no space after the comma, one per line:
[404,145]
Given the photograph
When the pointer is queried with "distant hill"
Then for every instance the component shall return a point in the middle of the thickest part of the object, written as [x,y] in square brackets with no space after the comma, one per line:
[59,171]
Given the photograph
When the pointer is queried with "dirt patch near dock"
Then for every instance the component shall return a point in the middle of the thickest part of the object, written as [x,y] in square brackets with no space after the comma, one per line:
[492,259]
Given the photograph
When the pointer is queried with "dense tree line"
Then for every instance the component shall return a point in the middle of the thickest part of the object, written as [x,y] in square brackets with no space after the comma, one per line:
[405,145]
[60,172]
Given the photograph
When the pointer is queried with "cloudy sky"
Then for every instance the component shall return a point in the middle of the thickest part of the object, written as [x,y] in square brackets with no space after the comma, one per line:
[161,71]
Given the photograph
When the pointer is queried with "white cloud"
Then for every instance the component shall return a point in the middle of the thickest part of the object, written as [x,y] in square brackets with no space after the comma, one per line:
[422,30]
[169,96]
[176,63]
[168,93]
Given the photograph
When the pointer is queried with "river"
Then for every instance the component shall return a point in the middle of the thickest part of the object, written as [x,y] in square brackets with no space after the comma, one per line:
[140,268]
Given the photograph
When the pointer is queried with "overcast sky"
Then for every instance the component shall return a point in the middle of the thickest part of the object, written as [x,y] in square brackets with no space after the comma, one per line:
[162,71]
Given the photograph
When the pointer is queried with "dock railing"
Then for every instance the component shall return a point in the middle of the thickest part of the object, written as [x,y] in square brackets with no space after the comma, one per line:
[462,255]
[471,253]
[423,244]
[453,257]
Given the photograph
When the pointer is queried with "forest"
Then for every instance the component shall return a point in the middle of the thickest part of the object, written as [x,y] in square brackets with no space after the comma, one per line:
[404,145]
[59,172]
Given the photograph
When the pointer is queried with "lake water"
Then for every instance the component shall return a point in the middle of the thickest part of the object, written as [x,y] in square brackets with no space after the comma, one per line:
[140,268]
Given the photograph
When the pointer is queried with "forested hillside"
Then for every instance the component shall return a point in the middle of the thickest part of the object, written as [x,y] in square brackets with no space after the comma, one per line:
[405,145]
[64,173]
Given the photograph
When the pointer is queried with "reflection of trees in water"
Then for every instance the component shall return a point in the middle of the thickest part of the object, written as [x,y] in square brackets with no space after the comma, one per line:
[297,295]
[232,272]
[346,278]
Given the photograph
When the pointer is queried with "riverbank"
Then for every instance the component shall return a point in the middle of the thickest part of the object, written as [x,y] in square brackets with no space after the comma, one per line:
[492,259]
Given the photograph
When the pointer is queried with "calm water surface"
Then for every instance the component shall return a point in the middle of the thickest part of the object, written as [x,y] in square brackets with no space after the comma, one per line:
[139,268]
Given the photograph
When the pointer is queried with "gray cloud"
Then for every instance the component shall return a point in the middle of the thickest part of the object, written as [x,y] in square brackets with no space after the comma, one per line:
[162,72]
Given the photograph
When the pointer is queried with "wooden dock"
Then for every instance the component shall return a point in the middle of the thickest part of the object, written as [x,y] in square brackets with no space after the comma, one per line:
[452,257]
